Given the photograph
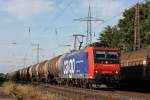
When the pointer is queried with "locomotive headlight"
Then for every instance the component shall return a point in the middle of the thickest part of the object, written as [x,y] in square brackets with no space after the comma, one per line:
[106,62]
[91,77]
[116,72]
[96,71]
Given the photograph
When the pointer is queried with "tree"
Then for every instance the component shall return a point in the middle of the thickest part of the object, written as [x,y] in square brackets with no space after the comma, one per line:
[122,34]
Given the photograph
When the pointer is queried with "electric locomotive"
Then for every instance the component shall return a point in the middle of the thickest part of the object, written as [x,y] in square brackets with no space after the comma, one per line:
[96,64]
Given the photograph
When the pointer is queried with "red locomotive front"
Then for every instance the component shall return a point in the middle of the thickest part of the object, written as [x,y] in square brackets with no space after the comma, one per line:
[104,65]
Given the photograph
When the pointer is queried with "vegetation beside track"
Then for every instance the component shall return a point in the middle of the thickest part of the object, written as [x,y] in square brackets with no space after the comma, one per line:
[26,92]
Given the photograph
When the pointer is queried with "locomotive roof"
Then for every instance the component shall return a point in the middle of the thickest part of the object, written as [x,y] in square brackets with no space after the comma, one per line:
[97,44]
[139,54]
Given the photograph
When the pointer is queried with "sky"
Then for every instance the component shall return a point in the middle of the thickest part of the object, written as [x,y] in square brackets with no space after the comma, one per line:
[51,24]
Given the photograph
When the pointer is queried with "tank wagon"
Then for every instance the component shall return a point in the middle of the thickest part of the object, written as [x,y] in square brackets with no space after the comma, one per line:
[95,64]
[24,74]
[34,72]
[42,71]
[54,68]
[135,66]
[13,76]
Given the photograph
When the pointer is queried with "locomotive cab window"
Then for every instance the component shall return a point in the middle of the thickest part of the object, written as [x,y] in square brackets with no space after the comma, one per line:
[112,55]
[106,57]
[100,54]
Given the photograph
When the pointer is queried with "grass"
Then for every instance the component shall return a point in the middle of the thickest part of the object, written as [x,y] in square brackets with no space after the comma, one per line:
[27,92]
[8,87]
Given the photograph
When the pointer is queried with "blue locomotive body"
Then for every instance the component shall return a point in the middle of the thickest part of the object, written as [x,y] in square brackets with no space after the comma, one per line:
[75,65]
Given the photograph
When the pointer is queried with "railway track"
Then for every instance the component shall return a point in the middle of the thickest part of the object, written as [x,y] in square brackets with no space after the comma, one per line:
[74,93]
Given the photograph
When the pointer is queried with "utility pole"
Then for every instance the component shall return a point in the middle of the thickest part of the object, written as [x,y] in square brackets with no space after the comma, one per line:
[78,38]
[137,40]
[24,61]
[38,48]
[89,19]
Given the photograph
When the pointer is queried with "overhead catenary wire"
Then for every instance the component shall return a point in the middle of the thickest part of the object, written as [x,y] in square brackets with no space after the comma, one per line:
[60,14]
[112,18]
[69,5]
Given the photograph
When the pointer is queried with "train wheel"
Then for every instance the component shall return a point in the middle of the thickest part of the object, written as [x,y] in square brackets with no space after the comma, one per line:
[85,84]
[116,85]
[81,84]
[90,85]
[66,82]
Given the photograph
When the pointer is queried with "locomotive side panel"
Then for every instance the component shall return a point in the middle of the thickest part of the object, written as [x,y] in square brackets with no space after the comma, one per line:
[75,65]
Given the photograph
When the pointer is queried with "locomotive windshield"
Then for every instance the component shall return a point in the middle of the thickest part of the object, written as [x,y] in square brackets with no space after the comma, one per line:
[112,55]
[106,57]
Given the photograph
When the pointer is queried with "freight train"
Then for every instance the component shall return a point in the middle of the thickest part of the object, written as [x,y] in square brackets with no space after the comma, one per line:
[95,64]
[135,67]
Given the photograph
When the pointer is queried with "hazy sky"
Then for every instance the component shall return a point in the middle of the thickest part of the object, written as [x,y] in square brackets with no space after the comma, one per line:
[51,25]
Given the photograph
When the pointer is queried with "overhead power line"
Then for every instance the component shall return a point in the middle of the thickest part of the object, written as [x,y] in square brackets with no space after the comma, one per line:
[89,19]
